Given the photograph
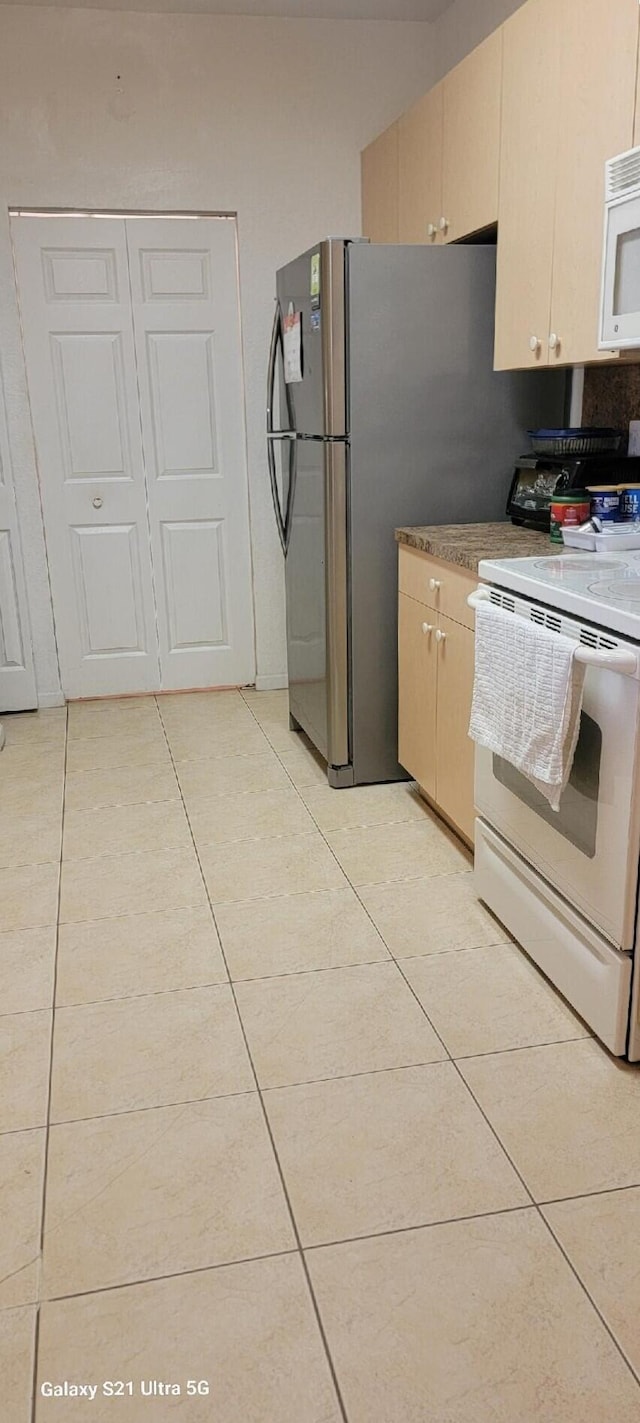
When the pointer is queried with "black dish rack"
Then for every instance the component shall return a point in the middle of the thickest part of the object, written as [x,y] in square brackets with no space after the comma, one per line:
[584,440]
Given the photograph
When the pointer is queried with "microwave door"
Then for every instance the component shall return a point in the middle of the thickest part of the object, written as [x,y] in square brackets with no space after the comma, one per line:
[620,315]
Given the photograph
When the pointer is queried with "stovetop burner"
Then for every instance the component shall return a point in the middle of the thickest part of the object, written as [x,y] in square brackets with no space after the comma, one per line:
[625,589]
[574,566]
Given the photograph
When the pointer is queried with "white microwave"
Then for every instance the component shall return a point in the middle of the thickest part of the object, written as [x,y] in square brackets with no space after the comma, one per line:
[620,302]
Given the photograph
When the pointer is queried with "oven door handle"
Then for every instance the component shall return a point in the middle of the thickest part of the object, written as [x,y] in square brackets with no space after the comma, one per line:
[621,661]
[617,660]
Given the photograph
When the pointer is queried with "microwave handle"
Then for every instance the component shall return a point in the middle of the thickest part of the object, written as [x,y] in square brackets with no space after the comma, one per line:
[621,660]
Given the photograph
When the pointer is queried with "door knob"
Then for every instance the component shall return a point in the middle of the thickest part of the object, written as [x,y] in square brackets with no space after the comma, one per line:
[534,343]
[554,342]
[440,635]
[434,584]
[427,627]
[97,502]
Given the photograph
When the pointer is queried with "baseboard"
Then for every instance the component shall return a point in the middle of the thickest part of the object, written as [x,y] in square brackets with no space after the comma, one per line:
[272,684]
[51,699]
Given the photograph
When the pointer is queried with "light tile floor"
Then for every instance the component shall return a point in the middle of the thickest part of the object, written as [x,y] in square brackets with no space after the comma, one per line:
[282,1109]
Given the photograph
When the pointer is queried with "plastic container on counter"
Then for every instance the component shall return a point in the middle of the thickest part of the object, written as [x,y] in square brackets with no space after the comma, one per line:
[629,502]
[569,510]
[605,502]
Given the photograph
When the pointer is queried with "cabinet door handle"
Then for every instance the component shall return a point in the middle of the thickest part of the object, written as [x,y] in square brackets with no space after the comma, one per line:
[432,230]
[434,584]
[427,627]
[554,342]
[97,502]
[440,635]
[443,224]
[534,343]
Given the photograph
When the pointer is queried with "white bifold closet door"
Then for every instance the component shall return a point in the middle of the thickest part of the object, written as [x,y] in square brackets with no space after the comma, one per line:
[132,346]
[17,677]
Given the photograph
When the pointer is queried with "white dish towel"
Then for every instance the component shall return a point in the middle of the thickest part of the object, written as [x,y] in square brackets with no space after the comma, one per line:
[527,697]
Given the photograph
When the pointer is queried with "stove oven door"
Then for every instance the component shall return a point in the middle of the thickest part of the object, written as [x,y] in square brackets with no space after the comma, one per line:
[589,849]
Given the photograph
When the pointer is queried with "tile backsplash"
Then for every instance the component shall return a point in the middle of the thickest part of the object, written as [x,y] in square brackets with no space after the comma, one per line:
[611,395]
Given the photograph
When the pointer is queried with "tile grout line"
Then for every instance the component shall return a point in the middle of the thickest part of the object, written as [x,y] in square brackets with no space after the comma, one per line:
[397,963]
[43,1201]
[616,1342]
[294,1226]
[454,1062]
[537,1206]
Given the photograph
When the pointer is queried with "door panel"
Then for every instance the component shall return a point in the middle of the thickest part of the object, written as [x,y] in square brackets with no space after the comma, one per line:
[187,336]
[181,376]
[106,564]
[193,555]
[74,298]
[93,432]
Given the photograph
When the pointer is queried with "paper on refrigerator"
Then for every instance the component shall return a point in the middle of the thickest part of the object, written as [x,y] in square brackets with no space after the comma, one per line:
[293,346]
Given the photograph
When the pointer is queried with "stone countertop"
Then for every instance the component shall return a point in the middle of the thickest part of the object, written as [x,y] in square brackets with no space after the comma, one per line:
[466,544]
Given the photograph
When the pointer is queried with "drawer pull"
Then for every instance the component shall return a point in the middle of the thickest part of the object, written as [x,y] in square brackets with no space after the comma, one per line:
[434,584]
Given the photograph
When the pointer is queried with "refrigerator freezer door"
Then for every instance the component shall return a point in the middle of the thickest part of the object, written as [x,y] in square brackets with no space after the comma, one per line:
[316,579]
[314,286]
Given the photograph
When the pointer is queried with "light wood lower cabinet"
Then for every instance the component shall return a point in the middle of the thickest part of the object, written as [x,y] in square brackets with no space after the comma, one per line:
[435,678]
[417,653]
[454,749]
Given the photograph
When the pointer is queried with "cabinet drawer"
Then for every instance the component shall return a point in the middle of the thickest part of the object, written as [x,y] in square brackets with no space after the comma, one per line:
[419,571]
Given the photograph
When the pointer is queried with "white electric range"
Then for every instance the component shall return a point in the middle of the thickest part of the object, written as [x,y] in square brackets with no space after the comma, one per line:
[565,883]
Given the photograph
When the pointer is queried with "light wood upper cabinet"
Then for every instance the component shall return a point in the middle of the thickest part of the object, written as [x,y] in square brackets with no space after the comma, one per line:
[569,80]
[420,169]
[471,140]
[379,168]
[530,98]
[599,47]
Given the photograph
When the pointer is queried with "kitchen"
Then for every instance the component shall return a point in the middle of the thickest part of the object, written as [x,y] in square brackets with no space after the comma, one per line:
[319,1136]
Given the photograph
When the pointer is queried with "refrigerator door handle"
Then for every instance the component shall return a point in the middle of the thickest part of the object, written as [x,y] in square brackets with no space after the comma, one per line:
[275,495]
[283,518]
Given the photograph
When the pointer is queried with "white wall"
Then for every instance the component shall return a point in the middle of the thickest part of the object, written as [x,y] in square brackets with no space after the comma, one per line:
[463,26]
[265,118]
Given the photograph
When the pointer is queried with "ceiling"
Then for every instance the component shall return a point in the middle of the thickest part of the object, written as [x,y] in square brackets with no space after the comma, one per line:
[294,9]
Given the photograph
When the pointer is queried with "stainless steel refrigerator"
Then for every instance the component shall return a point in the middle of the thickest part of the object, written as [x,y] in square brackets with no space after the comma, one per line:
[383,409]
